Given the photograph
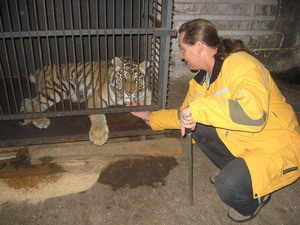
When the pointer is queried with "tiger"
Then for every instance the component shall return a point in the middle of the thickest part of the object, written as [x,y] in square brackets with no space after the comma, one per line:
[121,82]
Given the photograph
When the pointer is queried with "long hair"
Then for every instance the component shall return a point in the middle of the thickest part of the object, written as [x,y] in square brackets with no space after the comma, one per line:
[204,31]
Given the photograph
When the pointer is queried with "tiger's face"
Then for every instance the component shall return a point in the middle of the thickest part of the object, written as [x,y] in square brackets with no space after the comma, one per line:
[128,82]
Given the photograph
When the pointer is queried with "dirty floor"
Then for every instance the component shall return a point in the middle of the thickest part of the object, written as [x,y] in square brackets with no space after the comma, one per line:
[138,191]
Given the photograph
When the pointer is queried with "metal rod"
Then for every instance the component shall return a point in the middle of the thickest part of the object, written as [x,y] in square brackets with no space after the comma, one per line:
[14,52]
[49,61]
[190,152]
[114,25]
[41,57]
[74,51]
[59,71]
[66,54]
[82,52]
[24,58]
[106,49]
[5,90]
[78,112]
[90,55]
[99,74]
[122,41]
[32,59]
[85,32]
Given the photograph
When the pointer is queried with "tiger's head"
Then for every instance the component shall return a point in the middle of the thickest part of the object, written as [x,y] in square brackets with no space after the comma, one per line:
[128,80]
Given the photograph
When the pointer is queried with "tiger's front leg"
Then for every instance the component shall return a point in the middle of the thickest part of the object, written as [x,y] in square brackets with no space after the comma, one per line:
[33,105]
[99,130]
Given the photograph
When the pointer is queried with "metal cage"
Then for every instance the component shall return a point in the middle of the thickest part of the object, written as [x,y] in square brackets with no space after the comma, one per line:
[35,34]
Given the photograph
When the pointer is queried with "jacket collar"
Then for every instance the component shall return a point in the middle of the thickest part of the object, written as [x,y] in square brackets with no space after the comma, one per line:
[201,74]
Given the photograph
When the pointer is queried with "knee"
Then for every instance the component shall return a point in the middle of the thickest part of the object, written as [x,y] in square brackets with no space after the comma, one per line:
[234,181]
[225,186]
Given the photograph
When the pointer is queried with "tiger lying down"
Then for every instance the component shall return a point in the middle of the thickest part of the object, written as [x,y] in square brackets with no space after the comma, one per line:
[126,83]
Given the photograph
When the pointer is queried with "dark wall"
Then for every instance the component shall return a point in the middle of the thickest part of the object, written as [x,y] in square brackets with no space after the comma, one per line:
[289,24]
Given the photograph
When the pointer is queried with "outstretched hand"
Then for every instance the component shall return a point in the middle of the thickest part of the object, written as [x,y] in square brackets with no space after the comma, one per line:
[144,115]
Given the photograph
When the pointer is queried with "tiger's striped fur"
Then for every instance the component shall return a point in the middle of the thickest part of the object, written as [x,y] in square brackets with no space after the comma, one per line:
[120,82]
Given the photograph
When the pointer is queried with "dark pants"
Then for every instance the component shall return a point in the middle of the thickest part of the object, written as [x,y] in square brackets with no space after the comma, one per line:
[233,183]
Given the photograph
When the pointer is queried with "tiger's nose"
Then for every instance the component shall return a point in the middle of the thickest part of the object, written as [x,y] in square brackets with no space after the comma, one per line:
[130,91]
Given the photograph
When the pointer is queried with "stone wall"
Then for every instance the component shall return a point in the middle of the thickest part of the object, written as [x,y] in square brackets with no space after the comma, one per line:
[270,28]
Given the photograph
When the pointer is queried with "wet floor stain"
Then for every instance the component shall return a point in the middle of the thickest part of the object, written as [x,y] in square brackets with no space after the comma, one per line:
[19,173]
[150,171]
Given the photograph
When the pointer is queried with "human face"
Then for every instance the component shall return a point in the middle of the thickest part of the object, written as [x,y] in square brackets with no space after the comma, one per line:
[189,53]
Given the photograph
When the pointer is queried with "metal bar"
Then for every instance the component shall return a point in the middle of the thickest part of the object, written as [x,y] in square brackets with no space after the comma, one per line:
[59,71]
[106,50]
[114,44]
[99,74]
[153,11]
[24,57]
[90,54]
[138,51]
[7,59]
[85,32]
[82,52]
[122,41]
[74,50]
[5,89]
[190,153]
[50,61]
[66,54]
[32,58]
[78,112]
[40,57]
[131,40]
[165,50]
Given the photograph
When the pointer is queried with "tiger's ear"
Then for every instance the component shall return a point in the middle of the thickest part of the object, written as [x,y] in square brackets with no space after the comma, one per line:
[143,66]
[117,62]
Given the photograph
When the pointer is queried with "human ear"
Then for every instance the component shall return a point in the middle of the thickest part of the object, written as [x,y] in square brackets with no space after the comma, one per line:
[200,47]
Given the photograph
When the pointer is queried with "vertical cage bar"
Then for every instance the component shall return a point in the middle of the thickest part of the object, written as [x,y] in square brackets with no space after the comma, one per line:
[24,57]
[33,60]
[106,49]
[164,50]
[5,91]
[51,66]
[131,42]
[67,67]
[59,71]
[90,55]
[83,61]
[122,40]
[138,51]
[114,24]
[75,63]
[41,57]
[14,51]
[99,74]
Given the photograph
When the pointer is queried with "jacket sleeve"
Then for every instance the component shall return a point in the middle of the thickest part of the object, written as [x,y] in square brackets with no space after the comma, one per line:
[243,108]
[168,118]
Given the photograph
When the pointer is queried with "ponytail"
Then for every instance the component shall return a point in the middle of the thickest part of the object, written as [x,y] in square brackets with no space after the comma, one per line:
[228,46]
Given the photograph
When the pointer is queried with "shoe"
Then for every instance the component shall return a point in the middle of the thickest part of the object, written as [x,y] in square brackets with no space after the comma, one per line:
[239,218]
[213,177]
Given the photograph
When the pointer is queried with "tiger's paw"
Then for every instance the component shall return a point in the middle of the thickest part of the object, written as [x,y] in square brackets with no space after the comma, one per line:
[98,135]
[41,123]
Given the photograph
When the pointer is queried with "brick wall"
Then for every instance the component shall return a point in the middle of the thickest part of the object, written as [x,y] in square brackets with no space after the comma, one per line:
[257,22]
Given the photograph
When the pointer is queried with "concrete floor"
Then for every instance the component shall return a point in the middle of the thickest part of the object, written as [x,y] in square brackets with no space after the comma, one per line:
[165,204]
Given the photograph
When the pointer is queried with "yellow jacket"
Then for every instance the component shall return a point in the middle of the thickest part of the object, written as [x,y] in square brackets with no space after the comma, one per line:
[251,117]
